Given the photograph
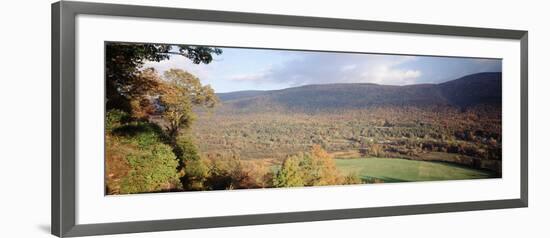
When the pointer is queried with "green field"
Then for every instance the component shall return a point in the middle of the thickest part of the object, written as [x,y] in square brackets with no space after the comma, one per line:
[401,170]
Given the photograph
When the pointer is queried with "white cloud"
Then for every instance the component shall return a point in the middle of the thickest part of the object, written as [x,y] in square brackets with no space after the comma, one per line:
[247,77]
[342,68]
[309,68]
[253,76]
[180,62]
[385,75]
[348,67]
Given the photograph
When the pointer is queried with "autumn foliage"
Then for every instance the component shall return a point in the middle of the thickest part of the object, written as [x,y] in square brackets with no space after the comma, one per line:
[314,168]
[148,115]
[166,131]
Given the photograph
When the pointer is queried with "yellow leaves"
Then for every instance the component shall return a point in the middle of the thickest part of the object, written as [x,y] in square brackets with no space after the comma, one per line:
[315,168]
[179,92]
[318,152]
[184,83]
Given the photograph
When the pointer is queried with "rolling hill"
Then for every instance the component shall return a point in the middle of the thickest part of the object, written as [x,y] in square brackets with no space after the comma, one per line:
[475,89]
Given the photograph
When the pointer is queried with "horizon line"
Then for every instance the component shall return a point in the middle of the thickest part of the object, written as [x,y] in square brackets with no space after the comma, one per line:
[393,85]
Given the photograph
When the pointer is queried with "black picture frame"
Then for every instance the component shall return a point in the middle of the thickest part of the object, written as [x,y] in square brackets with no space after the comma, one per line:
[64,133]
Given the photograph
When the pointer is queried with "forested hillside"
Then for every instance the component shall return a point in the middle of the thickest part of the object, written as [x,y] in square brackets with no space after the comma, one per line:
[482,88]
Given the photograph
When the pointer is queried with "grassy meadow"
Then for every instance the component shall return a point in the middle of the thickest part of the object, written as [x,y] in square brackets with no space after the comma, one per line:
[389,170]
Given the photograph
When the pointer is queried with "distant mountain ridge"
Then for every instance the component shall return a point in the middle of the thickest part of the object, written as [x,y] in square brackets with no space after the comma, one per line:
[240,94]
[470,90]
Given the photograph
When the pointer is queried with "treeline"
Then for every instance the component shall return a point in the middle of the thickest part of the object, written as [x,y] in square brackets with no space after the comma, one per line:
[396,132]
[228,171]
[315,168]
[140,159]
[491,151]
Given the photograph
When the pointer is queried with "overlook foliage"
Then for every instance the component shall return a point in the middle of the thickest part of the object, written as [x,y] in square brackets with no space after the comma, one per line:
[124,62]
[141,156]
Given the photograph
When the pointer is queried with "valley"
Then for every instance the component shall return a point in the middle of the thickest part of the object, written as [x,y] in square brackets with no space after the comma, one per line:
[455,122]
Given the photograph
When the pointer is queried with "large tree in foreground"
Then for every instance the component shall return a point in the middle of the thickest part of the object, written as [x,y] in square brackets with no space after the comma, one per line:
[180,93]
[124,61]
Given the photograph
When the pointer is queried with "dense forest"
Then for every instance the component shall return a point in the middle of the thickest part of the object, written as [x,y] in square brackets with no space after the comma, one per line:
[465,136]
[168,132]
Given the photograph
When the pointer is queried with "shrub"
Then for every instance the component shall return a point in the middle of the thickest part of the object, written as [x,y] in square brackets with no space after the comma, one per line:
[259,175]
[290,174]
[150,170]
[115,118]
[352,178]
[185,150]
[116,166]
[319,168]
[196,173]
[228,171]
[144,133]
[377,150]
[137,160]
[308,169]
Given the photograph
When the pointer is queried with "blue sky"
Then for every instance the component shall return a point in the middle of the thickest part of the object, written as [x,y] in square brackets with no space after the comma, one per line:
[260,69]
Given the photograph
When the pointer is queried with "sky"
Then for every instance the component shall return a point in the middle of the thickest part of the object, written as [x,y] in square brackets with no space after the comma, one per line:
[238,69]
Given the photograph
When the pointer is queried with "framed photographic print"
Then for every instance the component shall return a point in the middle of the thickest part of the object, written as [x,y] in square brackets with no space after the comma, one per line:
[166,119]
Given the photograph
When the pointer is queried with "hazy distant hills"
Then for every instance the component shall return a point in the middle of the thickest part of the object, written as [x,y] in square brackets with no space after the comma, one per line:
[240,94]
[481,88]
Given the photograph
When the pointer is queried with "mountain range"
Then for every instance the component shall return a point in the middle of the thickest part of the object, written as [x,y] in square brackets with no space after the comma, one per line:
[470,90]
